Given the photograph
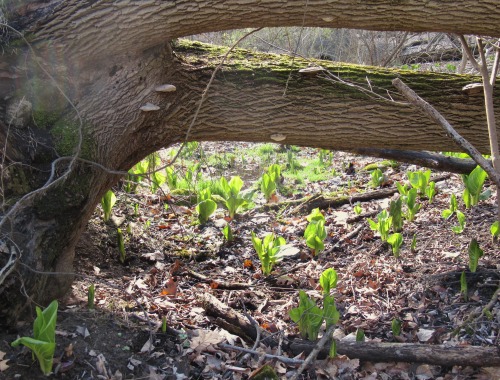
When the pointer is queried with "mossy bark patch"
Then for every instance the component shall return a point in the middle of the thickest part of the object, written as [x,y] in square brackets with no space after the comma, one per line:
[275,69]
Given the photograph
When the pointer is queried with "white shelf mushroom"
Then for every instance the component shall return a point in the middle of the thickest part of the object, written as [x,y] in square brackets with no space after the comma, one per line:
[148,107]
[165,88]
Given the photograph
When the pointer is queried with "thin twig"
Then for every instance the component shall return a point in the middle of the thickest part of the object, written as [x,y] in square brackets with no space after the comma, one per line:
[478,315]
[282,359]
[327,336]
[468,51]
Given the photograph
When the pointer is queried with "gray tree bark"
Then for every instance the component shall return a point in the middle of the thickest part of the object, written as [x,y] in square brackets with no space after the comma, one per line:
[105,59]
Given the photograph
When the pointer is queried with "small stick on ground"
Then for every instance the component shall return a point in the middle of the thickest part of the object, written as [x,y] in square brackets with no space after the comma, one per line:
[289,361]
[314,353]
[478,315]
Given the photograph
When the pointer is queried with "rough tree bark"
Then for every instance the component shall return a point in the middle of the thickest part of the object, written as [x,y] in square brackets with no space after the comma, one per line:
[107,57]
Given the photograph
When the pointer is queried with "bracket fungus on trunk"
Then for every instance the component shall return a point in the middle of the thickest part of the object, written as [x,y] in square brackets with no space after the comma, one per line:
[149,107]
[165,88]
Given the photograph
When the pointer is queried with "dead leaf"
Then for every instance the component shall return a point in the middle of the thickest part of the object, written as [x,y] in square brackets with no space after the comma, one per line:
[248,264]
[148,346]
[205,339]
[101,365]
[176,266]
[424,335]
[68,351]
[170,289]
[274,198]
[82,330]
[153,256]
[287,250]
[117,376]
[214,285]
[285,280]
[153,375]
[3,365]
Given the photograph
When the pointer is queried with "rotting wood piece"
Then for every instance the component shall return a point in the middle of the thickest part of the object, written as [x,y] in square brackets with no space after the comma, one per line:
[322,202]
[231,320]
[443,355]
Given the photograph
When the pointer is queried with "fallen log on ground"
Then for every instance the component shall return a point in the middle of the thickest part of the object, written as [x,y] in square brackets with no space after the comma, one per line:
[307,204]
[236,323]
[430,160]
[322,202]
[474,356]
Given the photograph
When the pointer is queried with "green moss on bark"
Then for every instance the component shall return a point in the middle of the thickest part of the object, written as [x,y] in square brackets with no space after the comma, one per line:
[65,134]
[254,68]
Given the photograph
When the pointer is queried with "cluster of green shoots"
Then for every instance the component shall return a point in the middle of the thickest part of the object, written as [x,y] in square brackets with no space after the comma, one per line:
[43,343]
[393,219]
[472,194]
[387,221]
[268,251]
[378,178]
[315,232]
[309,316]
[228,194]
[270,180]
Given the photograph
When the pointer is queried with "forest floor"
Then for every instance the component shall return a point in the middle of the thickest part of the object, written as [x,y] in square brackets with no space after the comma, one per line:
[171,263]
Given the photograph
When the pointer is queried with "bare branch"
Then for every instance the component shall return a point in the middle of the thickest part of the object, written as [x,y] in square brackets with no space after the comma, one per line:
[433,114]
[468,51]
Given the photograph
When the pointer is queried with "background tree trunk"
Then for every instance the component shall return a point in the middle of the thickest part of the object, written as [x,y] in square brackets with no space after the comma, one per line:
[107,58]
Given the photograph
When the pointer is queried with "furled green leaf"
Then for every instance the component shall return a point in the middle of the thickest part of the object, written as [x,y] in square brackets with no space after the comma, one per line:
[473,186]
[228,233]
[44,351]
[308,317]
[235,185]
[333,349]
[107,203]
[475,253]
[403,190]
[395,240]
[430,191]
[461,223]
[360,335]
[233,204]
[267,186]
[328,280]
[330,312]
[495,229]
[205,209]
[396,327]
[315,215]
[395,212]
[463,285]
[413,246]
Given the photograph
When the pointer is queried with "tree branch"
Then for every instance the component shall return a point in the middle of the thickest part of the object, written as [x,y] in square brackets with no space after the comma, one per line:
[433,114]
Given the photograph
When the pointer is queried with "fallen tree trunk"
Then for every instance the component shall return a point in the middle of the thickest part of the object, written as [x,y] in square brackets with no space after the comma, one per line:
[320,201]
[233,321]
[430,160]
[443,355]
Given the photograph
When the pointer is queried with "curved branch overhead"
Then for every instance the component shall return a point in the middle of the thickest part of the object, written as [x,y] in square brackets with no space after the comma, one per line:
[103,27]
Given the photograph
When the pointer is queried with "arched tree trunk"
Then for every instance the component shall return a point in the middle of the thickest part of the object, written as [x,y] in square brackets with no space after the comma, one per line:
[105,60]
